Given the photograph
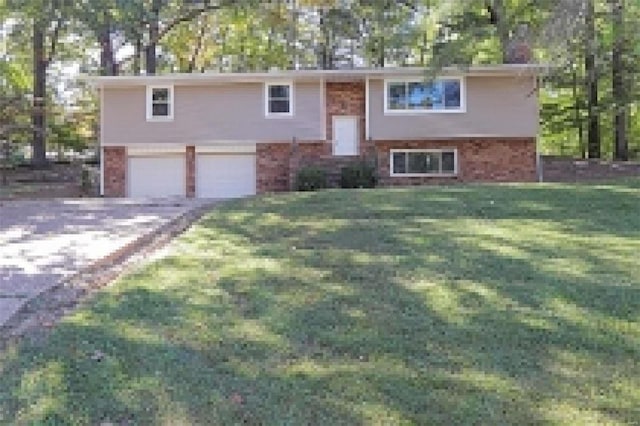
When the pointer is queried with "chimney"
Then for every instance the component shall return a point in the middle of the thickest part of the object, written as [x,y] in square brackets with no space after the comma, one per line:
[518,49]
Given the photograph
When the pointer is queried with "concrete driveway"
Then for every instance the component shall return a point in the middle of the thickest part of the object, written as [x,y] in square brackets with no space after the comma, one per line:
[44,242]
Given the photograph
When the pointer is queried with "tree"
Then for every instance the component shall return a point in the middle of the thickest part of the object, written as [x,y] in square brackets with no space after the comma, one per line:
[618,79]
[591,47]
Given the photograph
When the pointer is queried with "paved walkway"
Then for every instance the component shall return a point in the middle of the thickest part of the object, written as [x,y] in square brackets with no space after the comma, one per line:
[43,242]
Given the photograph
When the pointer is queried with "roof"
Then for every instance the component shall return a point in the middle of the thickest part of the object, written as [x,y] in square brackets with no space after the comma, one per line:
[357,74]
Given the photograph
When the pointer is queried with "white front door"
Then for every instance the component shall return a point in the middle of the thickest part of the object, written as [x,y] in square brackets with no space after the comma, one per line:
[345,135]
[225,175]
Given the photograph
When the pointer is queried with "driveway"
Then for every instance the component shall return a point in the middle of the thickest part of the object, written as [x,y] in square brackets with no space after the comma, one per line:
[43,242]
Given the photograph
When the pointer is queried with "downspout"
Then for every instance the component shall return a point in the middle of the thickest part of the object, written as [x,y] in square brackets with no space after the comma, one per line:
[100,141]
[367,130]
[539,165]
[323,107]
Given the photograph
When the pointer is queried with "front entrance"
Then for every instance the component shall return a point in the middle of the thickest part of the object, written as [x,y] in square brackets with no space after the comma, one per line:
[345,135]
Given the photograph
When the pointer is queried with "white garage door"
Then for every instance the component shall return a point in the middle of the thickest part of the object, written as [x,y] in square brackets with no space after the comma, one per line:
[160,176]
[225,175]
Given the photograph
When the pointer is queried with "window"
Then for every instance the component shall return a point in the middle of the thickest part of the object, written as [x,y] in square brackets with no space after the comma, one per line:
[278,99]
[442,95]
[420,162]
[159,103]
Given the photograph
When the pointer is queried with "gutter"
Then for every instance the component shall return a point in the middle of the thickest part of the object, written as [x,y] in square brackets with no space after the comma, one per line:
[357,74]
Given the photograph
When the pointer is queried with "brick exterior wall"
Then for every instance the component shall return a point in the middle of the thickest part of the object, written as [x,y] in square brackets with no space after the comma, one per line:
[305,155]
[479,160]
[346,99]
[191,172]
[115,171]
[272,167]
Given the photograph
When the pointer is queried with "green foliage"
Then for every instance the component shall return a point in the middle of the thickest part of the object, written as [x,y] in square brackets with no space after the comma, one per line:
[311,179]
[360,175]
[251,35]
[68,135]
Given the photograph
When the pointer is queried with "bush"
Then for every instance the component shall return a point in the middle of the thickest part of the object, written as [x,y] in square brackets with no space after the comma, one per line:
[311,179]
[360,175]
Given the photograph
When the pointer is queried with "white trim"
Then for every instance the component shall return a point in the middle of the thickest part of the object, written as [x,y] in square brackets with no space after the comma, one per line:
[332,75]
[458,137]
[539,163]
[333,136]
[434,150]
[149,103]
[205,143]
[101,143]
[242,149]
[323,107]
[463,97]
[289,114]
[367,110]
[155,151]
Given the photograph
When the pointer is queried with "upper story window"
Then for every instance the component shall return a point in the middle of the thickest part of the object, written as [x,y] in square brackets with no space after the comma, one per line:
[160,103]
[279,99]
[441,95]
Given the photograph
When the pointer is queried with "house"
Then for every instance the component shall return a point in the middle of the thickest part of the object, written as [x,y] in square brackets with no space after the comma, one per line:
[237,134]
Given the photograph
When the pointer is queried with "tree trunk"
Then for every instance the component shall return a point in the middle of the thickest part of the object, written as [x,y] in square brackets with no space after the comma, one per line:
[107,59]
[293,39]
[198,48]
[324,52]
[38,117]
[151,59]
[498,18]
[621,151]
[578,115]
[594,146]
[137,53]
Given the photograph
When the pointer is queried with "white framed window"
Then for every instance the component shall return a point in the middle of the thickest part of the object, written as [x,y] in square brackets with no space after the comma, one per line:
[160,103]
[278,99]
[423,162]
[442,95]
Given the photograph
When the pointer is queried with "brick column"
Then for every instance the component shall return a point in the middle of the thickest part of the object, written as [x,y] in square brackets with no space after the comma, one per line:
[191,171]
[272,167]
[346,99]
[115,171]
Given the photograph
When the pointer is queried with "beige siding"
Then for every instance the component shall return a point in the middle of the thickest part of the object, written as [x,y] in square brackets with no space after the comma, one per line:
[212,113]
[496,107]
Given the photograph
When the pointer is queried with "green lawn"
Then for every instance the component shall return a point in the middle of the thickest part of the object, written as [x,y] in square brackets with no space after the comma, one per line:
[515,304]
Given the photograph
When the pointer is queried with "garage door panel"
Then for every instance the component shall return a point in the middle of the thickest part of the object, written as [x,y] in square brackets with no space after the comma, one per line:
[225,175]
[157,176]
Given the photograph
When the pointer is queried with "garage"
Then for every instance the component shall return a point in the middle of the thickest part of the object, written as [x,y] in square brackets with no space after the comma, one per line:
[225,174]
[153,176]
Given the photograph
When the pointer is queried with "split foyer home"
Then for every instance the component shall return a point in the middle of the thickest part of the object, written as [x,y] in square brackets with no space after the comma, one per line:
[216,135]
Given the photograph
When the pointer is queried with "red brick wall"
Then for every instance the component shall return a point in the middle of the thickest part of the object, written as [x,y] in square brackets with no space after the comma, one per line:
[346,99]
[115,171]
[479,160]
[191,171]
[304,155]
[272,167]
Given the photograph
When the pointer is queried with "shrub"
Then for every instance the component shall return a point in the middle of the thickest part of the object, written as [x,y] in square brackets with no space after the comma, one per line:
[359,175]
[311,179]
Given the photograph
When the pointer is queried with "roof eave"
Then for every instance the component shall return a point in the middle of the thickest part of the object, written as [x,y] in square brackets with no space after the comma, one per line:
[312,75]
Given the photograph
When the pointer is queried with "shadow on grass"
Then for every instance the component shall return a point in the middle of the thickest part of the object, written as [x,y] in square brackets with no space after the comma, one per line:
[420,306]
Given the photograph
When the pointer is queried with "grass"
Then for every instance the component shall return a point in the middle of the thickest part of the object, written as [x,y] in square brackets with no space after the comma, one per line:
[515,304]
